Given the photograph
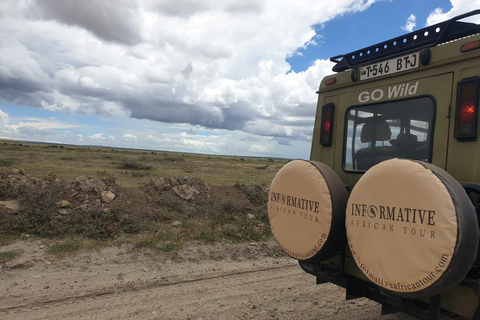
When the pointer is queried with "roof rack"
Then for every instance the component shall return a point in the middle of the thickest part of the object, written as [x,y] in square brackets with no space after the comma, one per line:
[427,37]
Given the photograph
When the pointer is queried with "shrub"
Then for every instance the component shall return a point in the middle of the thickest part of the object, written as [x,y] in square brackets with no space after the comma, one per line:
[6,162]
[131,164]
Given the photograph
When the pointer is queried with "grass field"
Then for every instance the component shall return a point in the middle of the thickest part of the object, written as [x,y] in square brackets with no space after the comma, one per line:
[133,167]
[234,210]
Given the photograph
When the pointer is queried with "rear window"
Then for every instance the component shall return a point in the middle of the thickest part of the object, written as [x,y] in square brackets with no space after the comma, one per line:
[378,132]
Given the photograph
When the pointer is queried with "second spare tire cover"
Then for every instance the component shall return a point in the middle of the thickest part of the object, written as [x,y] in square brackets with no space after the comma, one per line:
[306,209]
[411,228]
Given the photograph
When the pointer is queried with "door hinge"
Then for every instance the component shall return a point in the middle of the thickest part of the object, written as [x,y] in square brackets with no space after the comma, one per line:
[448,111]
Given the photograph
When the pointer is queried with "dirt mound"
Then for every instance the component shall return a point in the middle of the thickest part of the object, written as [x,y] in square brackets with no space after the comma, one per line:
[186,188]
[100,208]
[18,177]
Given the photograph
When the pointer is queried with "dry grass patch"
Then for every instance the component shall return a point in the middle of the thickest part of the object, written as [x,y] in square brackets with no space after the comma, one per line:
[231,204]
[69,162]
[6,256]
[72,246]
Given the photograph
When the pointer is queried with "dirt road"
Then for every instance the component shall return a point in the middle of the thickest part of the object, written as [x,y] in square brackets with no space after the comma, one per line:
[222,281]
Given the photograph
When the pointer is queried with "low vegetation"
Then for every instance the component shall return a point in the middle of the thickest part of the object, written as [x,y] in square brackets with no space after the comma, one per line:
[6,256]
[132,164]
[228,201]
[133,168]
[71,246]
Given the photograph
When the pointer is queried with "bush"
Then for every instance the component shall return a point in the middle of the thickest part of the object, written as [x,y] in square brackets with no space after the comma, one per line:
[131,164]
[173,159]
[6,162]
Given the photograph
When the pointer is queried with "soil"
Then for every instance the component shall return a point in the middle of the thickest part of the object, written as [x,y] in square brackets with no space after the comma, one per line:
[103,209]
[253,280]
[219,281]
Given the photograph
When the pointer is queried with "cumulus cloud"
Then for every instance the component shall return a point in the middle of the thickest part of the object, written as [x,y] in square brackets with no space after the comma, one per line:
[458,7]
[129,137]
[97,136]
[111,20]
[3,116]
[410,24]
[216,64]
[36,129]
[45,124]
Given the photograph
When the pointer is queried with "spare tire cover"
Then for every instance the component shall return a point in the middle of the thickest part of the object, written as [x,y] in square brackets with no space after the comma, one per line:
[306,209]
[411,228]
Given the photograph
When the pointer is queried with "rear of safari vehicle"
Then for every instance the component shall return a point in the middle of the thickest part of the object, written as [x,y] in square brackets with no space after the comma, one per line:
[396,160]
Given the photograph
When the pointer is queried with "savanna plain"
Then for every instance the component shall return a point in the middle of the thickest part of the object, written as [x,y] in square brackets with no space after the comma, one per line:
[104,233]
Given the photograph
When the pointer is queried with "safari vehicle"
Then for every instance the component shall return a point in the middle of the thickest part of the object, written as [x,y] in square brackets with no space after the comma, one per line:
[387,206]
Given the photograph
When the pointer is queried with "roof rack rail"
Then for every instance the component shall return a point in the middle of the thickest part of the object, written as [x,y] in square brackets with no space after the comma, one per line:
[427,37]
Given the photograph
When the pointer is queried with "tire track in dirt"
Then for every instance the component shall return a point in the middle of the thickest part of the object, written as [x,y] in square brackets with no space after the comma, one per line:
[118,289]
[219,281]
[282,292]
[112,300]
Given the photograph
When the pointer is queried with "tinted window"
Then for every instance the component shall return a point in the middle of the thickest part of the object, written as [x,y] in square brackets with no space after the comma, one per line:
[400,129]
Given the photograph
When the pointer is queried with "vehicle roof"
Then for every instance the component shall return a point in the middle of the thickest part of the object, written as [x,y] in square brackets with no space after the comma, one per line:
[424,38]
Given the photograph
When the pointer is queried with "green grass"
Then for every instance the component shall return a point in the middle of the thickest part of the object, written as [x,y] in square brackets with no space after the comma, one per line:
[133,168]
[93,229]
[94,245]
[162,240]
[133,164]
[6,162]
[6,256]
[65,248]
[6,240]
[72,246]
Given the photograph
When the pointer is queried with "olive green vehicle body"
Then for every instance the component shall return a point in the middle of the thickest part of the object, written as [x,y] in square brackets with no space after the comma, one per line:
[438,79]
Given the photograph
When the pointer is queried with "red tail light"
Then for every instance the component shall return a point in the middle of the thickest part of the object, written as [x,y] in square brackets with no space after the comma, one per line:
[326,130]
[466,115]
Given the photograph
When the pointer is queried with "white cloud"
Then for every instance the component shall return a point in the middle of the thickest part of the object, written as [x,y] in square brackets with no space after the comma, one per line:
[161,69]
[32,128]
[410,24]
[217,64]
[97,136]
[458,7]
[129,137]
[3,116]
[38,129]
[44,124]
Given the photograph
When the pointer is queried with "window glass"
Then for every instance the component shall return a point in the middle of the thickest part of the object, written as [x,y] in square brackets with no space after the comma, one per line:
[400,129]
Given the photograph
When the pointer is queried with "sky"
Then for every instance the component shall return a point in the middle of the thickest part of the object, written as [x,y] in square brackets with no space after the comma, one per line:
[230,77]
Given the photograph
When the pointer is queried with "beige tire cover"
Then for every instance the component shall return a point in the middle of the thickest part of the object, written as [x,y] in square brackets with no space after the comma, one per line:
[411,228]
[306,209]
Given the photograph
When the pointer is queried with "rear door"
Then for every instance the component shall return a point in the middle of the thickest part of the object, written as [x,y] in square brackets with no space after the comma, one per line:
[378,100]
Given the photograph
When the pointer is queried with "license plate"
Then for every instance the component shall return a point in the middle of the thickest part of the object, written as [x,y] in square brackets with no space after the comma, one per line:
[379,69]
